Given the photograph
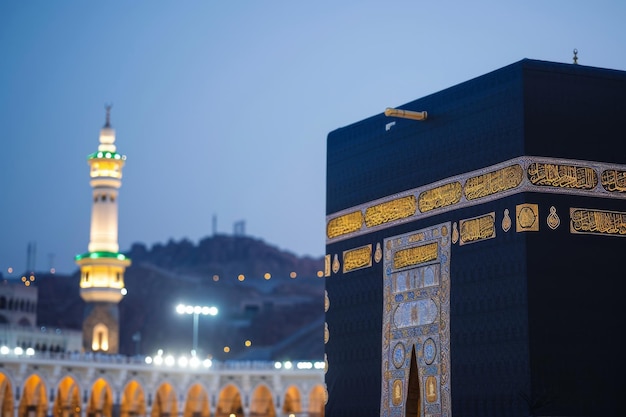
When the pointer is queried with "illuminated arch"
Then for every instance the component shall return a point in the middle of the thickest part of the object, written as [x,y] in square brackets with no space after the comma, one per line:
[6,396]
[292,403]
[262,403]
[67,403]
[164,404]
[317,401]
[33,402]
[101,400]
[100,338]
[197,404]
[133,400]
[229,402]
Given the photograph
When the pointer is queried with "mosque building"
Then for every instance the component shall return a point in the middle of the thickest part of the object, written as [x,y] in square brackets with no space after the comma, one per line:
[475,243]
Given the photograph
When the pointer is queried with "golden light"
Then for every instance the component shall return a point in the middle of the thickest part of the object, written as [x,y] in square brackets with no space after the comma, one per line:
[100,338]
[226,349]
[241,277]
[23,279]
[293,275]
[32,277]
[267,275]
[247,343]
[216,278]
[27,283]
[320,274]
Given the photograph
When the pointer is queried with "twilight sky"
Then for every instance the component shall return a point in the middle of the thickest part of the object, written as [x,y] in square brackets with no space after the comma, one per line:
[222,108]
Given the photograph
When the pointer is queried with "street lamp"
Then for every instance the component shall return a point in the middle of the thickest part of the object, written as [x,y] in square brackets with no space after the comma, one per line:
[196,311]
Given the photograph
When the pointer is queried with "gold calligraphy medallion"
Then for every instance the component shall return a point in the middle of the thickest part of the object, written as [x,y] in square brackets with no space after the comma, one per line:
[553,219]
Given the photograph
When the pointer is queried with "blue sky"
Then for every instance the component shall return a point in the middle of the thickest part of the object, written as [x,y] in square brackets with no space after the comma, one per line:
[223,108]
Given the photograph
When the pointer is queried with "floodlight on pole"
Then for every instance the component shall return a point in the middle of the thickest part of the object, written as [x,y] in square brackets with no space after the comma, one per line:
[196,311]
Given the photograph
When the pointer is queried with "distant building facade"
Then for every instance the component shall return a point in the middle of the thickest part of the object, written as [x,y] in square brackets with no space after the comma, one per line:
[475,244]
[18,322]
[102,267]
[18,304]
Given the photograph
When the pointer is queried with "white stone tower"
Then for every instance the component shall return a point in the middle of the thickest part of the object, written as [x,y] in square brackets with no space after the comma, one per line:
[102,267]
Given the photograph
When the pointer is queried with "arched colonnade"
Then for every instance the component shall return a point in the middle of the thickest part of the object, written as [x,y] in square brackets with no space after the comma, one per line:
[65,396]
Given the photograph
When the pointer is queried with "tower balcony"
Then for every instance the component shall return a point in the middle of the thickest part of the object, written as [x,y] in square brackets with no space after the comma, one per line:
[101,295]
[102,276]
[106,165]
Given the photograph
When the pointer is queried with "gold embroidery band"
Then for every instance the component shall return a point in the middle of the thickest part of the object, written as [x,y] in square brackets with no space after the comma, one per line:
[357,258]
[415,255]
[389,211]
[597,222]
[565,176]
[344,224]
[478,228]
[494,182]
[517,175]
[441,196]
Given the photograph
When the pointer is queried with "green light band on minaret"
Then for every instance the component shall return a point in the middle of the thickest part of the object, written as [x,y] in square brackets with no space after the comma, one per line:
[102,254]
[106,155]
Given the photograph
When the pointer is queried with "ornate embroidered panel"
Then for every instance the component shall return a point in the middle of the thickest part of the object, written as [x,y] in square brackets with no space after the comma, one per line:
[416,316]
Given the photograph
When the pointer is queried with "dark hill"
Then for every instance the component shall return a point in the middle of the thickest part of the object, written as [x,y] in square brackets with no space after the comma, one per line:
[230,272]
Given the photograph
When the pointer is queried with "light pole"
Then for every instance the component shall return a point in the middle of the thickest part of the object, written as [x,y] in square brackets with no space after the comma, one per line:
[196,311]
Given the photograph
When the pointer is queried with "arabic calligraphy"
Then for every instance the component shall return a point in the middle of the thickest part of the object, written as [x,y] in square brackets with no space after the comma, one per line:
[344,224]
[357,258]
[599,222]
[444,195]
[563,176]
[614,180]
[478,228]
[389,211]
[415,255]
[493,182]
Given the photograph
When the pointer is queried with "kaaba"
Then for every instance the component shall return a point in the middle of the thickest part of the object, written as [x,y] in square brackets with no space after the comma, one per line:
[476,250]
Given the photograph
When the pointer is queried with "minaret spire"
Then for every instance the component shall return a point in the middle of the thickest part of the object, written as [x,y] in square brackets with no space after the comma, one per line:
[107,107]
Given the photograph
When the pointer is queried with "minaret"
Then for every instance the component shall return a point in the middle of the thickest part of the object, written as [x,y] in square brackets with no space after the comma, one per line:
[102,268]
